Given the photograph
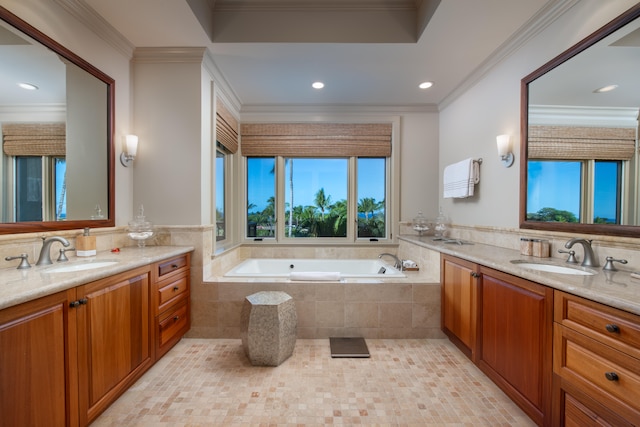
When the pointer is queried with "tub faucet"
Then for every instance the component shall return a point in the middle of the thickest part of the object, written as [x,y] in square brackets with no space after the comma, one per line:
[45,252]
[589,259]
[398,263]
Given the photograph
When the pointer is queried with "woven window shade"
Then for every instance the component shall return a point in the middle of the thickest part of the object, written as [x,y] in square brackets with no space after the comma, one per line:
[316,139]
[581,143]
[34,139]
[226,127]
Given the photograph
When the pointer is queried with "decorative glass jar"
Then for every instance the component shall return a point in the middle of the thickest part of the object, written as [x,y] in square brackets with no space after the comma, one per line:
[140,229]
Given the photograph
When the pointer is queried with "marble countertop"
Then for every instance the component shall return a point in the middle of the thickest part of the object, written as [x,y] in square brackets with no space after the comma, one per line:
[614,288]
[18,286]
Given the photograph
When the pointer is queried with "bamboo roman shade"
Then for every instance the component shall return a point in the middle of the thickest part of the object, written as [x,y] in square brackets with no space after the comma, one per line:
[34,139]
[316,139]
[226,127]
[581,143]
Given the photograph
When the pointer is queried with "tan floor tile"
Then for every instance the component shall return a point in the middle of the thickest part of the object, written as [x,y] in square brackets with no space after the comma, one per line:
[419,382]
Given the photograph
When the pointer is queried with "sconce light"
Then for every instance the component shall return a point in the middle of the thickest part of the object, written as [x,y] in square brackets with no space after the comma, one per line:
[504,150]
[131,145]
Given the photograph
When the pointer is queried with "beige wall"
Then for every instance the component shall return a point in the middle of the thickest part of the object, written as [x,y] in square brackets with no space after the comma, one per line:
[469,125]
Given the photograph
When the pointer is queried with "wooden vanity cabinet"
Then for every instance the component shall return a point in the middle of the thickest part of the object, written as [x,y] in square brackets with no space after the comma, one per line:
[171,302]
[38,383]
[596,364]
[459,279]
[515,345]
[64,358]
[114,338]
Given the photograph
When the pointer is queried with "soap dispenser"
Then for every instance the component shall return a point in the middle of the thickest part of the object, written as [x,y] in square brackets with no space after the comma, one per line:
[86,244]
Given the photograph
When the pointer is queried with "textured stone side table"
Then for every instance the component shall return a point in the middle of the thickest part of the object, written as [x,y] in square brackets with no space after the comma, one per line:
[269,326]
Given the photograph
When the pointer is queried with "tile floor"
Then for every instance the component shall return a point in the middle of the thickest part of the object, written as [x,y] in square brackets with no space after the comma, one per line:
[210,382]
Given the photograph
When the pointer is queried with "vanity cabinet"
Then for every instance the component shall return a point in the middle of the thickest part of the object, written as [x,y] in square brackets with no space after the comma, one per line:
[38,384]
[114,338]
[459,312]
[171,303]
[515,345]
[64,358]
[596,364]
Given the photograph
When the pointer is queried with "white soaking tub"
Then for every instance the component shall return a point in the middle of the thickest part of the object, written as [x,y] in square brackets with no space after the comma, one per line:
[314,269]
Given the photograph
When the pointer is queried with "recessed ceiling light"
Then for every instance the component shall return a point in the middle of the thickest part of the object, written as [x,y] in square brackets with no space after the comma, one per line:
[425,85]
[317,85]
[605,89]
[28,86]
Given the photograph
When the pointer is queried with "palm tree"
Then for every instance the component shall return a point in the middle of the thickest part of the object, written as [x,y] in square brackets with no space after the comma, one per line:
[367,206]
[322,202]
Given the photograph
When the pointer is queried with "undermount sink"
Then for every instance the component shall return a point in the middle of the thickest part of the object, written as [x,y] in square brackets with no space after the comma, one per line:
[81,266]
[552,268]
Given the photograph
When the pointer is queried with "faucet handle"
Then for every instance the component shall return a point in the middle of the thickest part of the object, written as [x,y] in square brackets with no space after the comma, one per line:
[572,256]
[63,257]
[24,264]
[609,264]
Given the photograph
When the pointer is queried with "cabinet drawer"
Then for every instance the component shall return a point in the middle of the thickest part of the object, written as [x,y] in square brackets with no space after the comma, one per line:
[171,291]
[173,265]
[603,373]
[173,325]
[611,326]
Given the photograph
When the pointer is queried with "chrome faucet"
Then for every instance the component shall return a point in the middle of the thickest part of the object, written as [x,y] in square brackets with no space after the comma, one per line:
[45,252]
[397,265]
[589,259]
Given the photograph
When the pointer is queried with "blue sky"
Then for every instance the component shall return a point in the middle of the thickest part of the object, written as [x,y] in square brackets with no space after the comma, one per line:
[557,184]
[309,175]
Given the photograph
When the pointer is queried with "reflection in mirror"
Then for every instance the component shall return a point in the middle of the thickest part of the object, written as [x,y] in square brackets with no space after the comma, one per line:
[56,123]
[579,135]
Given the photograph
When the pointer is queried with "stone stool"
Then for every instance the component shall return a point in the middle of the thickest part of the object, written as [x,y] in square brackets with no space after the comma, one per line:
[268,327]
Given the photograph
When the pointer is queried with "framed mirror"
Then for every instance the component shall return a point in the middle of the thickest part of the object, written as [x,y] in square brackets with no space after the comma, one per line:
[57,125]
[580,166]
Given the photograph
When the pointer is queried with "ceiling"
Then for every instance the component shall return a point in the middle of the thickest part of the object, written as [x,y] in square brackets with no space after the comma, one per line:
[367,52]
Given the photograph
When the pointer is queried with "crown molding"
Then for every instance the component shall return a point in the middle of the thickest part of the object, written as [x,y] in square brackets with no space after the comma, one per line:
[337,108]
[84,13]
[169,54]
[563,115]
[534,26]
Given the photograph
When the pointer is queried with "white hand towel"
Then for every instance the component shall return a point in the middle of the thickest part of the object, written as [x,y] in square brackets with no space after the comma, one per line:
[315,276]
[460,178]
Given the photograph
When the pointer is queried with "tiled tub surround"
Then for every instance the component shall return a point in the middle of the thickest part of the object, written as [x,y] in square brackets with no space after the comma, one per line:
[399,308]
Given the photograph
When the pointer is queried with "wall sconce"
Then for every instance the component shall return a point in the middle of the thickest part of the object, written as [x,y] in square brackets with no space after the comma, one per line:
[131,145]
[504,150]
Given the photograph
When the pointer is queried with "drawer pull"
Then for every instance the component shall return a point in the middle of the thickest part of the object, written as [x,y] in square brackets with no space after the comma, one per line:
[474,275]
[613,328]
[175,319]
[176,288]
[174,266]
[611,376]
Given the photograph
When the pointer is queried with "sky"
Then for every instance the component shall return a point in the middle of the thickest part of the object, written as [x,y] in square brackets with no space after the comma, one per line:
[309,175]
[557,184]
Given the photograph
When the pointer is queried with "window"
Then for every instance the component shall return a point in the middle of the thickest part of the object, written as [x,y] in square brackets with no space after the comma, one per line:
[315,201]
[316,197]
[583,189]
[38,179]
[221,229]
[261,197]
[371,197]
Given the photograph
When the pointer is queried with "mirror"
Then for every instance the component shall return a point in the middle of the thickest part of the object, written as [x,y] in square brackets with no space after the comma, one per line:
[579,168]
[57,163]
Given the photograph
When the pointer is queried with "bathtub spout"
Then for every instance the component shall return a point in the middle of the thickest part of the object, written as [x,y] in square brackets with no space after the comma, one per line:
[398,263]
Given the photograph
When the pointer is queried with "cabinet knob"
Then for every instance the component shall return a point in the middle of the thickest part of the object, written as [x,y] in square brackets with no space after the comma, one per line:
[613,328]
[174,266]
[74,304]
[175,319]
[176,288]
[474,274]
[611,376]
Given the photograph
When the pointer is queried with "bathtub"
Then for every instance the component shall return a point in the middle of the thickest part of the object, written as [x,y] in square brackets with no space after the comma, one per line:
[282,268]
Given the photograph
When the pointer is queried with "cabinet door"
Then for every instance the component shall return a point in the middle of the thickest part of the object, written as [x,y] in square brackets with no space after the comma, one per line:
[516,340]
[114,345]
[37,340]
[459,302]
